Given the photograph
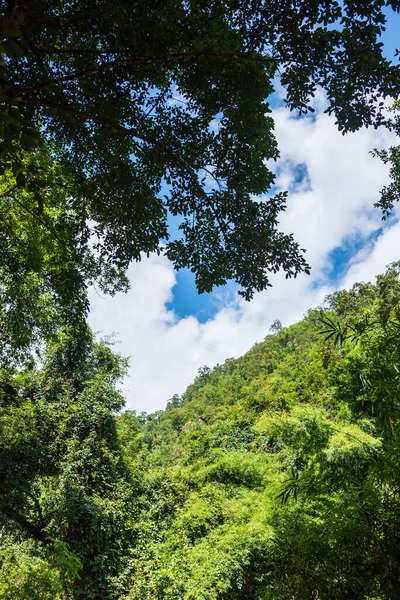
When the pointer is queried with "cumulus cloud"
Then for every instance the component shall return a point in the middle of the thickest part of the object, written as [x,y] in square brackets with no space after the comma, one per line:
[375,257]
[342,185]
[334,182]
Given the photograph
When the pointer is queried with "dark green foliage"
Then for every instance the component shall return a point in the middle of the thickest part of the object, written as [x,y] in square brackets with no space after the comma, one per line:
[275,476]
[46,262]
[391,156]
[64,484]
[163,109]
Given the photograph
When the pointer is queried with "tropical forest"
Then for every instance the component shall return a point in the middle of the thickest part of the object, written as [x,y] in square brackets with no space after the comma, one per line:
[132,129]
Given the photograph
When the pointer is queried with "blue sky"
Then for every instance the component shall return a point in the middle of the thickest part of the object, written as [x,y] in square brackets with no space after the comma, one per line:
[186,301]
[169,331]
[390,38]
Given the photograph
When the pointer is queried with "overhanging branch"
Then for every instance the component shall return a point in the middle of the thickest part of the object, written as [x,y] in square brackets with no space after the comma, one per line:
[141,60]
[133,133]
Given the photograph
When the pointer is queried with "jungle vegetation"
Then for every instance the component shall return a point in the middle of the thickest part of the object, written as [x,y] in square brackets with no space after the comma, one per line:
[274,476]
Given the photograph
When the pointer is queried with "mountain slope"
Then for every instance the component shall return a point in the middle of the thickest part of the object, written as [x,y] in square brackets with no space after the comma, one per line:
[275,476]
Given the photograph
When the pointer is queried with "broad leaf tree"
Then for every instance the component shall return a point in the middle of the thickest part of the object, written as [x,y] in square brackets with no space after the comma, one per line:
[46,260]
[390,194]
[163,110]
[67,497]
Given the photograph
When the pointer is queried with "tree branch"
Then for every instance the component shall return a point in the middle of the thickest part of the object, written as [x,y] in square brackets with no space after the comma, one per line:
[143,60]
[133,133]
[42,222]
[9,191]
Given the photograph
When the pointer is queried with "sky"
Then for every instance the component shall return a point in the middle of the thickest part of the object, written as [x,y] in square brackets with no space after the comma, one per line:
[169,331]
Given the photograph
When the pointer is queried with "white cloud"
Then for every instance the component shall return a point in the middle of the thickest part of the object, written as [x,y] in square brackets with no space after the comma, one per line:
[335,205]
[374,258]
[345,181]
[165,351]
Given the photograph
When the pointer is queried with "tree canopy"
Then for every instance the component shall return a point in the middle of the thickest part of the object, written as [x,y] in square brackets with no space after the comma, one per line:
[153,111]
[67,495]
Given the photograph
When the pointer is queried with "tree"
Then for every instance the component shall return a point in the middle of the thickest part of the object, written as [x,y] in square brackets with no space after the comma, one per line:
[67,497]
[276,326]
[277,476]
[46,260]
[162,110]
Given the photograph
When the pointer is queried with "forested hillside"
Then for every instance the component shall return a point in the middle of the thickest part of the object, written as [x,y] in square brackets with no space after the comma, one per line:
[274,476]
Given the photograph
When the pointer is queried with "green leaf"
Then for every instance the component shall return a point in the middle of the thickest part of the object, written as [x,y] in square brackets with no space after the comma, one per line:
[13,48]
[8,30]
